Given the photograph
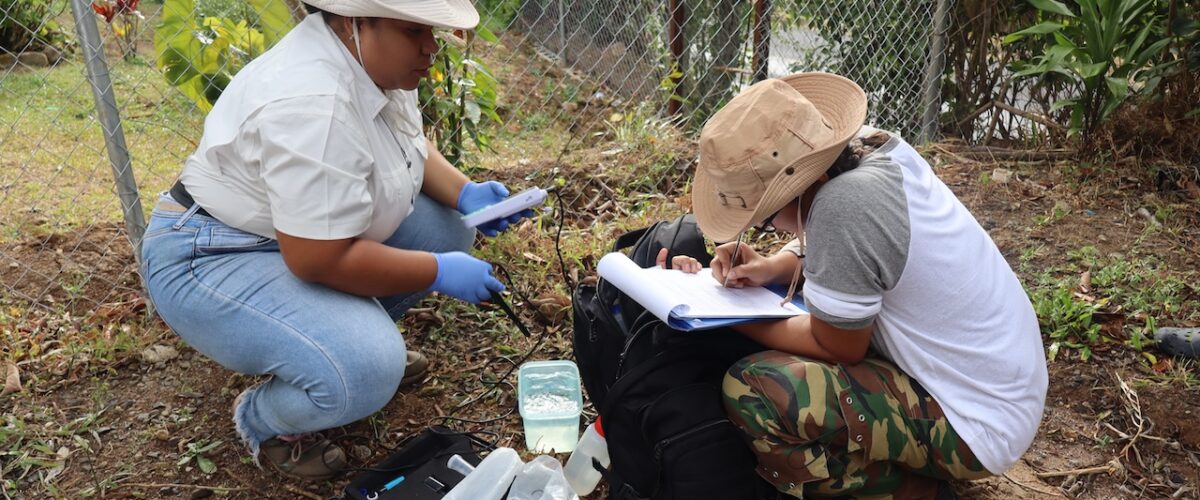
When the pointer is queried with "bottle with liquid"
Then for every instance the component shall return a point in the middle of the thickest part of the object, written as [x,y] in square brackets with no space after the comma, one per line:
[581,473]
[489,480]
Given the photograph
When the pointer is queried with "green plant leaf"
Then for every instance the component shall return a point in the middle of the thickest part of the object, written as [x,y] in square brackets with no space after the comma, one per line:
[274,19]
[1063,103]
[1118,87]
[486,34]
[1042,28]
[1052,6]
[1093,70]
[207,466]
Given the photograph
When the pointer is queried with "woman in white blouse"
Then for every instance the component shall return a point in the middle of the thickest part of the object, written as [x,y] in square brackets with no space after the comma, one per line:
[313,214]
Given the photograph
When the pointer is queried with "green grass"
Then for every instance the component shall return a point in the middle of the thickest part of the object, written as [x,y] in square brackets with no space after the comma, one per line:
[1138,288]
[55,171]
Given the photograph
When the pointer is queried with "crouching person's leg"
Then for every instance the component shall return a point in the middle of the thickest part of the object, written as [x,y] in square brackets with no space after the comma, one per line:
[866,431]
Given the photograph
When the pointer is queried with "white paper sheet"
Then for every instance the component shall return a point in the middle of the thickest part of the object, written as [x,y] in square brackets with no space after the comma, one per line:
[669,292]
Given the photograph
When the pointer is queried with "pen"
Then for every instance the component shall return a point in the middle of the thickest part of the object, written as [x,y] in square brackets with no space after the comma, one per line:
[733,261]
[393,483]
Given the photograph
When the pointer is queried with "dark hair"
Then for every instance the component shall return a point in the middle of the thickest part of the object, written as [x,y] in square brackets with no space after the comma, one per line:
[312,9]
[855,151]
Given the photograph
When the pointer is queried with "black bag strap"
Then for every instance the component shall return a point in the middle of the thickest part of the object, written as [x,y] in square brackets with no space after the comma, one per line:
[629,239]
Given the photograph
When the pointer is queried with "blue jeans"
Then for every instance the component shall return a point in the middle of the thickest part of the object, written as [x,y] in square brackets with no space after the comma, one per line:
[333,357]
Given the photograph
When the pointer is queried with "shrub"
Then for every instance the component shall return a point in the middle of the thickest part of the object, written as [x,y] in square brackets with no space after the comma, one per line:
[458,99]
[27,25]
[201,45]
[1107,48]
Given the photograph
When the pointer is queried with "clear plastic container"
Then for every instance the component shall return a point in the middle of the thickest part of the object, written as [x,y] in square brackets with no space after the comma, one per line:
[541,479]
[549,399]
[580,472]
[490,479]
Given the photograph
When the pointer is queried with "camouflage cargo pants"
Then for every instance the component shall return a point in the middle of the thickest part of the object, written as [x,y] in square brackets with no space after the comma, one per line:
[867,431]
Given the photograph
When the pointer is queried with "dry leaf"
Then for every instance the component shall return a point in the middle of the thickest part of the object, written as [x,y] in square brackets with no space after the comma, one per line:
[1085,282]
[12,382]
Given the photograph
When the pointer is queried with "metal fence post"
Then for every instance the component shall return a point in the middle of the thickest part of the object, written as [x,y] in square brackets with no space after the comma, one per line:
[931,101]
[676,18]
[762,39]
[110,122]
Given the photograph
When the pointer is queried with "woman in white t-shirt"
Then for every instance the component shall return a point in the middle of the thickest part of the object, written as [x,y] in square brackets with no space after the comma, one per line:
[921,360]
[313,214]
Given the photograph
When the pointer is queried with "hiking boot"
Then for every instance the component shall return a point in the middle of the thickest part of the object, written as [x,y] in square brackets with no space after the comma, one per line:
[305,456]
[1182,342]
[415,368]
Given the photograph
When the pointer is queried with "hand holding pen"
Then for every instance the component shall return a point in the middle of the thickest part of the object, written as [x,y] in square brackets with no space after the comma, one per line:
[738,265]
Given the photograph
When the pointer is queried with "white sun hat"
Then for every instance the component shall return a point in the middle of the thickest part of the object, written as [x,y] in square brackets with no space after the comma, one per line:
[452,14]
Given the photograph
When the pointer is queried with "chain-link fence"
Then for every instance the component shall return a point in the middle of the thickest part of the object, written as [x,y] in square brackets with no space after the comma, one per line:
[96,116]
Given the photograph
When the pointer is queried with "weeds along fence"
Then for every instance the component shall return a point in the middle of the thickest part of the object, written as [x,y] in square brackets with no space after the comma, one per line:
[101,102]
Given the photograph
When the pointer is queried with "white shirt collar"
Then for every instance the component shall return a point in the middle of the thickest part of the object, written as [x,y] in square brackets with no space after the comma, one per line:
[397,103]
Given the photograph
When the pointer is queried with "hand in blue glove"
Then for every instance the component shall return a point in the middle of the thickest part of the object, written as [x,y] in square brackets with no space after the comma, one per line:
[464,277]
[477,195]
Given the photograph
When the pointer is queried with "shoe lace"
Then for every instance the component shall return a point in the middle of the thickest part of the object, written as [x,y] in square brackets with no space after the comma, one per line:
[299,442]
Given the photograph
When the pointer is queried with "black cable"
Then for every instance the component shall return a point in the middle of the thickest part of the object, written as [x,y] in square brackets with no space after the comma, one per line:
[562,263]
[499,300]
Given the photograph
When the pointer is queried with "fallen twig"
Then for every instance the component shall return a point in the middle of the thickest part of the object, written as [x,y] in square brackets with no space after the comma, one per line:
[178,485]
[1033,488]
[302,493]
[1109,468]
[1032,116]
[988,153]
[1135,413]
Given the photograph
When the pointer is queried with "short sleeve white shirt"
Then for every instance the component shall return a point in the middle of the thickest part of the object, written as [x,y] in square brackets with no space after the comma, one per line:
[303,142]
[888,242]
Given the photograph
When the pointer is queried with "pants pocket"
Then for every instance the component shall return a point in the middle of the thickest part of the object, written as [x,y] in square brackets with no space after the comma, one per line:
[220,239]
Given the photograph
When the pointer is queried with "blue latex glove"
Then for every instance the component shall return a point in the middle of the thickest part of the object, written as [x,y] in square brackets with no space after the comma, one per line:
[476,195]
[464,277]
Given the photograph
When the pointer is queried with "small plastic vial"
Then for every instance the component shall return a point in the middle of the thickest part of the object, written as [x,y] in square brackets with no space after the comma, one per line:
[580,472]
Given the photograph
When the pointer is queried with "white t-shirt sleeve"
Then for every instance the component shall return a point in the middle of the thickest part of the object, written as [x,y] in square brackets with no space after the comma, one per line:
[316,169]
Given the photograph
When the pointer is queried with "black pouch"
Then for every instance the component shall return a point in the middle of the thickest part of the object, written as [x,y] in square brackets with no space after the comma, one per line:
[421,462]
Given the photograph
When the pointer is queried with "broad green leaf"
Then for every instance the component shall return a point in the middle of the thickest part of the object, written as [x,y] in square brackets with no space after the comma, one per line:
[1093,70]
[1063,103]
[1118,86]
[486,34]
[1042,28]
[1063,41]
[1150,52]
[473,112]
[175,66]
[1140,39]
[207,466]
[1052,6]
[1052,352]
[274,19]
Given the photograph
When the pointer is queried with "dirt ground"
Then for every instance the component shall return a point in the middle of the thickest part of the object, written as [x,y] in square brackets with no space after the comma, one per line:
[1114,427]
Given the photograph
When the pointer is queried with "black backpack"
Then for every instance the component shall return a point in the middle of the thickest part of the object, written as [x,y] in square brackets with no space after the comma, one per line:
[658,390]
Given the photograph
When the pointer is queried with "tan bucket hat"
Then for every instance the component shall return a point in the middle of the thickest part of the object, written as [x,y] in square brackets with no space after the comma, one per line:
[768,145]
[451,14]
